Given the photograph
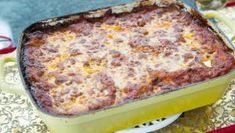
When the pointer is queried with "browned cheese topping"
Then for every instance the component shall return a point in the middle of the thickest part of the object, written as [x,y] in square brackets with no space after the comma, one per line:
[93,64]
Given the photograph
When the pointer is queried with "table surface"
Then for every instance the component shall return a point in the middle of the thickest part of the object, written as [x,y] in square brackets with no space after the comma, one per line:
[16,113]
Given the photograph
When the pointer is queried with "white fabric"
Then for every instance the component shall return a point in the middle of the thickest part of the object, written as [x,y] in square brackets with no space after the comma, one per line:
[150,128]
[5,30]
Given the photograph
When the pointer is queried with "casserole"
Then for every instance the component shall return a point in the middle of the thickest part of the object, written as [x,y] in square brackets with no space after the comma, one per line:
[101,62]
[133,112]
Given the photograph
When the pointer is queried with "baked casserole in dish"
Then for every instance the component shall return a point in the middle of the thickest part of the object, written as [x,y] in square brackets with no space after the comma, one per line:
[100,62]
[80,65]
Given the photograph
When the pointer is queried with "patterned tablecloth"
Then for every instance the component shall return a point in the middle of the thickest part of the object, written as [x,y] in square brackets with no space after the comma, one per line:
[17,116]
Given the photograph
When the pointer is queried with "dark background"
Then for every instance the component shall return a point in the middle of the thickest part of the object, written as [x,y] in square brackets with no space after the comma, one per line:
[21,13]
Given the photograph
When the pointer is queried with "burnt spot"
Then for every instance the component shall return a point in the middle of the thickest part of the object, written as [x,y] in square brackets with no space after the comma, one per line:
[61,65]
[143,56]
[141,23]
[97,24]
[53,73]
[65,91]
[72,61]
[111,20]
[74,51]
[117,40]
[141,31]
[35,74]
[42,85]
[37,39]
[131,72]
[160,33]
[61,79]
[43,97]
[138,41]
[134,91]
[156,81]
[178,28]
[180,39]
[167,53]
[77,79]
[167,88]
[82,41]
[116,62]
[105,79]
[115,54]
[52,49]
[188,56]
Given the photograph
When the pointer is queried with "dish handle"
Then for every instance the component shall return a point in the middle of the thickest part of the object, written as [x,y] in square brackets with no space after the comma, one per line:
[223,18]
[9,76]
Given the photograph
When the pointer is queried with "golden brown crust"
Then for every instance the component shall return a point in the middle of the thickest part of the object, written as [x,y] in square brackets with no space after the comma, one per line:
[90,65]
